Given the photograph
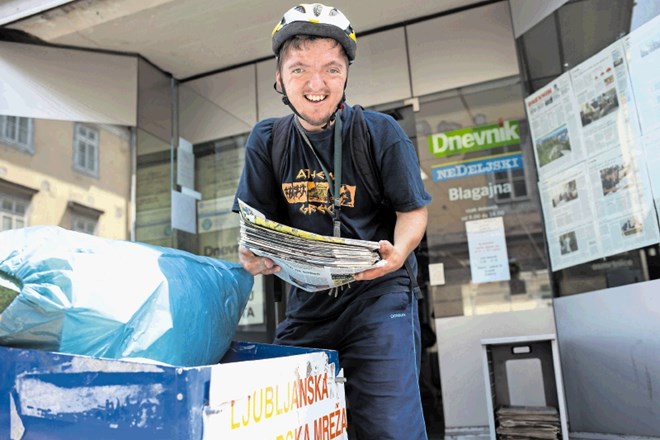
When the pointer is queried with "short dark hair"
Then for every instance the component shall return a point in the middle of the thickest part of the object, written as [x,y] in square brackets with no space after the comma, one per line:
[298,41]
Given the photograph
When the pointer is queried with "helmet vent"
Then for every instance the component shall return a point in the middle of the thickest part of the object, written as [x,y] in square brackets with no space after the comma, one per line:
[300,8]
[333,12]
[317,9]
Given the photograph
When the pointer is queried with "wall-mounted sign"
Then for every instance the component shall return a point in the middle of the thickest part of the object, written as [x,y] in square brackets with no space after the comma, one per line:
[476,193]
[470,139]
[468,168]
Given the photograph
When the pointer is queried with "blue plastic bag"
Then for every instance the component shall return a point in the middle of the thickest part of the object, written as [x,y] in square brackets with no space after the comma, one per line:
[81,294]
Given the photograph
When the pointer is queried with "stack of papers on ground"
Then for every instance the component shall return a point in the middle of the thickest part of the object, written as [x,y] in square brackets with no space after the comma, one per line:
[528,422]
[310,261]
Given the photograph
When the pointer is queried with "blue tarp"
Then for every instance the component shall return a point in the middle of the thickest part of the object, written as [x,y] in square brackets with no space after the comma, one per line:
[82,294]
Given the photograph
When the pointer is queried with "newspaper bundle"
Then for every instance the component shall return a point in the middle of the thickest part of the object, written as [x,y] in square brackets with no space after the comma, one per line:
[309,261]
[528,422]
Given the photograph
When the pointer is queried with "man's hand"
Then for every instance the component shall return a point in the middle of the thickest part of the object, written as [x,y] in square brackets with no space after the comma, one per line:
[256,265]
[392,260]
[408,232]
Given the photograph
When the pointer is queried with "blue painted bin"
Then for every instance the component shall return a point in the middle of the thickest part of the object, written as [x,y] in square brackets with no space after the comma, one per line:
[46,395]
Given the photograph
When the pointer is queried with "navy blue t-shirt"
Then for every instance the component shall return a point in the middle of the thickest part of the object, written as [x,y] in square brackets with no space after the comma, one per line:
[302,199]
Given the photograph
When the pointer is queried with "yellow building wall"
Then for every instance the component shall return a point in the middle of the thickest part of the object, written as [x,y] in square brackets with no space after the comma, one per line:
[50,171]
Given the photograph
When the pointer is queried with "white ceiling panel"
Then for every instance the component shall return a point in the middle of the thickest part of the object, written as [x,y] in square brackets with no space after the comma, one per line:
[194,37]
[461,49]
[219,105]
[42,82]
[380,73]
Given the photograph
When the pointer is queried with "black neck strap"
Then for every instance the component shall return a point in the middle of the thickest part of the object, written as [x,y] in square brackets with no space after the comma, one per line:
[336,191]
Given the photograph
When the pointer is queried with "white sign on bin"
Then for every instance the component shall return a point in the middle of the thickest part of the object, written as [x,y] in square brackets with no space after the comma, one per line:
[283,398]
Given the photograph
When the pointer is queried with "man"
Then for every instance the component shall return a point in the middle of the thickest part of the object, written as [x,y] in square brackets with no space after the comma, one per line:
[373,323]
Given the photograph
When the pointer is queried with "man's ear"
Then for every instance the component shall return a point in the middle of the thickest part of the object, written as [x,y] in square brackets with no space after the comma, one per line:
[278,82]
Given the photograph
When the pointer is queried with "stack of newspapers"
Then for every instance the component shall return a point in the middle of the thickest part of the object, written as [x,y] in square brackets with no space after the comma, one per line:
[310,261]
[528,422]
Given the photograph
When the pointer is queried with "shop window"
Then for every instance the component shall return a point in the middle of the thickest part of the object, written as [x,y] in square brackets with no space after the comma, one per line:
[86,150]
[485,233]
[598,177]
[16,132]
[218,167]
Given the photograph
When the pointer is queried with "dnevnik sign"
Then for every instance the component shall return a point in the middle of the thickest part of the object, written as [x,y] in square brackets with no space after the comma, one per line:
[474,139]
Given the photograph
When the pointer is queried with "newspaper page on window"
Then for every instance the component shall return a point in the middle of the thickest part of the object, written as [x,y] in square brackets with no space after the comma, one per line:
[555,127]
[595,190]
[643,56]
[309,261]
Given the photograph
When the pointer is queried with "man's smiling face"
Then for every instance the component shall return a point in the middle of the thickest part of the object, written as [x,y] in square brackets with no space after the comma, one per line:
[314,75]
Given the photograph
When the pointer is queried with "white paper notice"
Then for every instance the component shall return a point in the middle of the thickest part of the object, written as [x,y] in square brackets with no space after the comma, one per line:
[489,260]
[184,212]
[437,274]
[185,164]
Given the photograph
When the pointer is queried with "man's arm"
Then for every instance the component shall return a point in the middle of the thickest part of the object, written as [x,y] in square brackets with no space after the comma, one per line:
[408,232]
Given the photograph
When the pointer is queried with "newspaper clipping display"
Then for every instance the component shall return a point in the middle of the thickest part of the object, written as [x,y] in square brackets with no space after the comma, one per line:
[592,144]
[643,56]
[309,261]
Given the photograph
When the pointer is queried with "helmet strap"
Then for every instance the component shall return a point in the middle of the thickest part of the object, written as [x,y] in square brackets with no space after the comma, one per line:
[285,99]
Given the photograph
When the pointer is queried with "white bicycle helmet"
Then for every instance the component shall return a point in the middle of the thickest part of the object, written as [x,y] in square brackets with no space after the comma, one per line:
[318,20]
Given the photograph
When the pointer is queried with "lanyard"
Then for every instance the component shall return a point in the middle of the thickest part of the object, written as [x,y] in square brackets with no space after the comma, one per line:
[336,193]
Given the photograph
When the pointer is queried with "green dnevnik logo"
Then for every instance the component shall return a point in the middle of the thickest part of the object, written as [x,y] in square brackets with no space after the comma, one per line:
[474,139]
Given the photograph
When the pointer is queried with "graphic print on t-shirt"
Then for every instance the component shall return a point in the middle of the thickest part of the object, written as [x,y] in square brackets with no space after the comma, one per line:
[311,192]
